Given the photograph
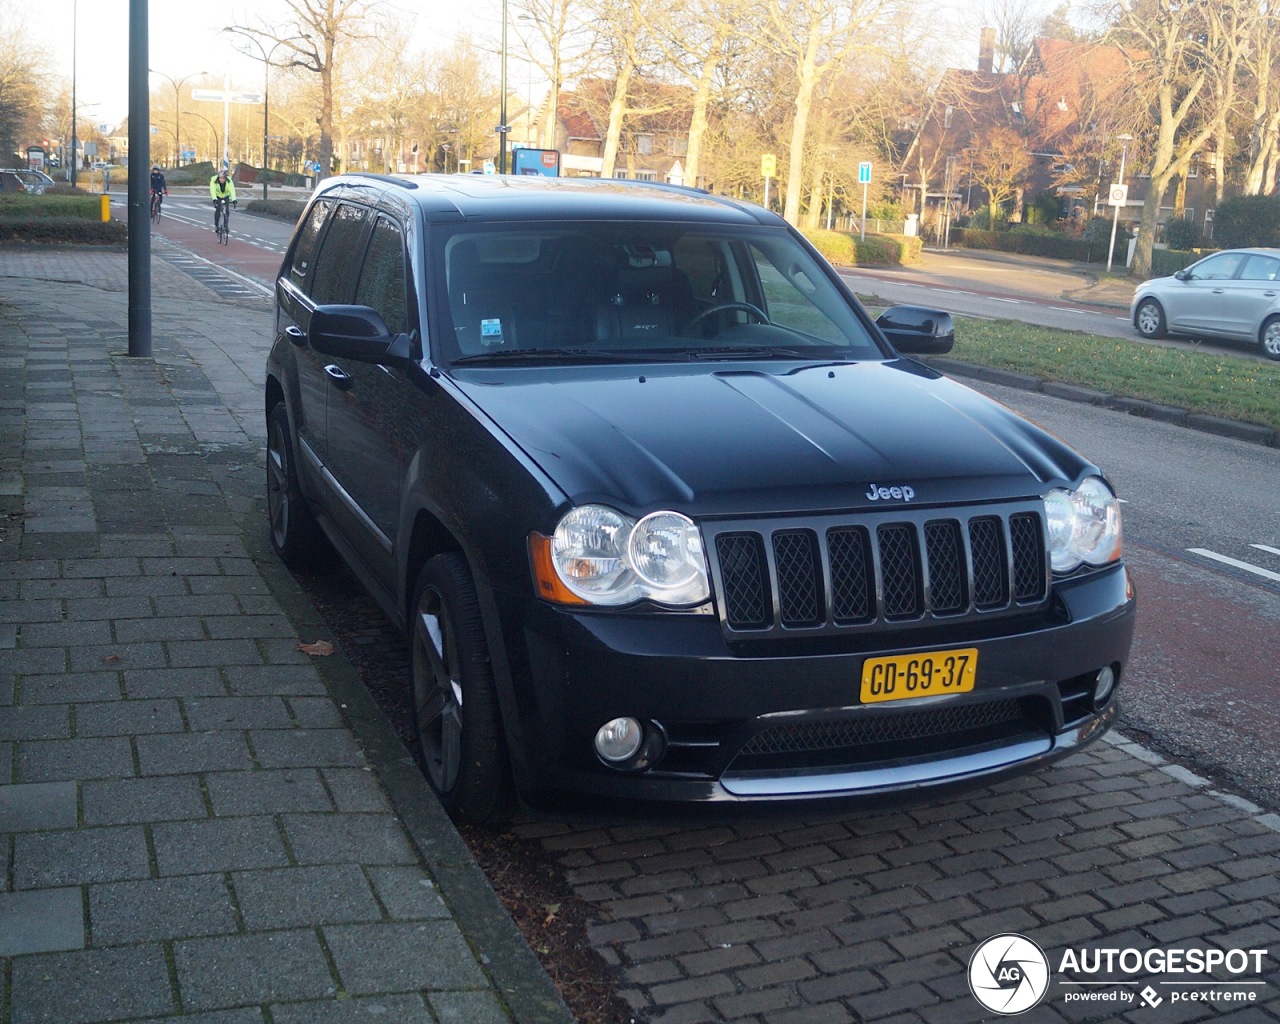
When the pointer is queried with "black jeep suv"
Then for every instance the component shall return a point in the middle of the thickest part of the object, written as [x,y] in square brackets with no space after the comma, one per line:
[666,517]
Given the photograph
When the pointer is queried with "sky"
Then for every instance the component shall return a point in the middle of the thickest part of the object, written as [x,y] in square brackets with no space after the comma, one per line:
[185,37]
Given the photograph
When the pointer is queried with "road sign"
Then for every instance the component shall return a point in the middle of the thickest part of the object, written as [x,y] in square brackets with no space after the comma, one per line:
[223,96]
[864,172]
[769,165]
[1118,195]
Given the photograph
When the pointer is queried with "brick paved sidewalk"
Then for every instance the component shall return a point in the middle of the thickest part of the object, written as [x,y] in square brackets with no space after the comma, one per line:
[198,820]
[875,918]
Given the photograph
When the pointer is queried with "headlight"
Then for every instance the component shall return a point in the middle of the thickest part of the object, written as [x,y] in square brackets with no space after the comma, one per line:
[1084,526]
[602,557]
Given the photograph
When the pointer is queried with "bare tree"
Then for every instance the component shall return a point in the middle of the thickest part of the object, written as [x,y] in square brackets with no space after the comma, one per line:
[999,164]
[1184,61]
[22,83]
[817,37]
[312,39]
[564,34]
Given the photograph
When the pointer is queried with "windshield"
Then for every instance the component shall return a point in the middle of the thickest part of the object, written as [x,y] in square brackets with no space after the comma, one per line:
[616,292]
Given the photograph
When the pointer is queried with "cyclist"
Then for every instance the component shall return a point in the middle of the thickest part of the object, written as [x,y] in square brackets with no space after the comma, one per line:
[158,189]
[222,190]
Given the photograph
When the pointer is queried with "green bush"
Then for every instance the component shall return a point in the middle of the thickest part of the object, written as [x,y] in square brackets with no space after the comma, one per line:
[848,249]
[1166,262]
[63,229]
[1247,221]
[284,209]
[1181,233]
[1030,241]
[27,206]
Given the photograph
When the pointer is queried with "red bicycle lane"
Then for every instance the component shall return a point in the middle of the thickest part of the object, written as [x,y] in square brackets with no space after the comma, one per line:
[182,227]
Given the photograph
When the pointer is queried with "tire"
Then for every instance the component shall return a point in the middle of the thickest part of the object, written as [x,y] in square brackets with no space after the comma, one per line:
[294,534]
[458,739]
[1269,338]
[1148,318]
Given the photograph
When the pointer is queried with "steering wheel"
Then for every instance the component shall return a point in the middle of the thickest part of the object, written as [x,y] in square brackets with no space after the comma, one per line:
[725,307]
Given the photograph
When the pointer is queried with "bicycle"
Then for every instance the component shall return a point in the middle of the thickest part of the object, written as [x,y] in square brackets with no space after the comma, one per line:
[222,219]
[157,200]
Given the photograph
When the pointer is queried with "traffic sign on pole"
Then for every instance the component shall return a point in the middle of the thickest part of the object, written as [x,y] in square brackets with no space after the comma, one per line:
[864,172]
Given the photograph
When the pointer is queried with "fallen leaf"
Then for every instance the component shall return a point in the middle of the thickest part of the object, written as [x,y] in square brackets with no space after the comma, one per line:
[322,647]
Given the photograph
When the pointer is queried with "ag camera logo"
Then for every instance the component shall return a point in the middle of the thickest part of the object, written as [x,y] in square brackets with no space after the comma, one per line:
[1008,974]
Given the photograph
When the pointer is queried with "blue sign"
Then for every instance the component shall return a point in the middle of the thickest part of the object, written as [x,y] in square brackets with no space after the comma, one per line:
[864,172]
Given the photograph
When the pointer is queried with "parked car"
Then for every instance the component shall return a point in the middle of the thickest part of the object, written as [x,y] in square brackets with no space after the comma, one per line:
[666,516]
[10,182]
[1234,294]
[31,180]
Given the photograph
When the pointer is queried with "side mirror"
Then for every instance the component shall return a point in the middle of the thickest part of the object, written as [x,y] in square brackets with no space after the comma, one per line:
[1182,275]
[917,330]
[357,332]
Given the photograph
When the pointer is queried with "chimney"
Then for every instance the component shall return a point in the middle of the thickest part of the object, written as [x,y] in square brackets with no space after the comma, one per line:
[987,50]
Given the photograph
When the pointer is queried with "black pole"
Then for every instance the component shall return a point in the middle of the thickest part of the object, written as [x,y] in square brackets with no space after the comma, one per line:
[75,143]
[502,101]
[139,183]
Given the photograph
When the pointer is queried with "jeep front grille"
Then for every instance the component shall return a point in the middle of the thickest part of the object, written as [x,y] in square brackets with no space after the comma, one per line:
[828,574]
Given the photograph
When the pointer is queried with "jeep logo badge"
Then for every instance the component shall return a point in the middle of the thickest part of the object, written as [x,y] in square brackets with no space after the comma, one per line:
[878,493]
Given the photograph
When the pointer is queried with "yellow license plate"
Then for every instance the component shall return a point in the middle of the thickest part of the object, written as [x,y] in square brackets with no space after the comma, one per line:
[918,675]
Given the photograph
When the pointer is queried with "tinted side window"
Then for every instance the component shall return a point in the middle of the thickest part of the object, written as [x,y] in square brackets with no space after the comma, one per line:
[304,253]
[334,264]
[382,276]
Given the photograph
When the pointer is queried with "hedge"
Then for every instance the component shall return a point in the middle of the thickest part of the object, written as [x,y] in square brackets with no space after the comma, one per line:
[63,229]
[849,250]
[1031,243]
[1244,221]
[26,206]
[285,209]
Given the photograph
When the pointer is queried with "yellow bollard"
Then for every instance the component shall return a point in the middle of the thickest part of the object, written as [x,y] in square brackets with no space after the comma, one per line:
[105,202]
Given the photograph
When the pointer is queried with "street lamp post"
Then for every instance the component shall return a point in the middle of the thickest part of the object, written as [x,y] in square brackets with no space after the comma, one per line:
[503,127]
[1115,210]
[177,107]
[267,54]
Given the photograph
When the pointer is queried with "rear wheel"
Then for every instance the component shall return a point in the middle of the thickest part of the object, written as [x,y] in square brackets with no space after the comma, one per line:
[1269,338]
[1149,319]
[294,534]
[459,741]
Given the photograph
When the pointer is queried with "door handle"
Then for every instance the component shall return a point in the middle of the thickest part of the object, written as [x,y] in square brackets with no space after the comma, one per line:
[294,333]
[339,376]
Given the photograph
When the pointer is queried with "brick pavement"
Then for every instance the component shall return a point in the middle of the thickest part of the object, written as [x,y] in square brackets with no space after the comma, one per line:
[198,820]
[875,917]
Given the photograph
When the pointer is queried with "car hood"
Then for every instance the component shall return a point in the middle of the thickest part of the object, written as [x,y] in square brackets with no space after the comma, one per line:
[750,440]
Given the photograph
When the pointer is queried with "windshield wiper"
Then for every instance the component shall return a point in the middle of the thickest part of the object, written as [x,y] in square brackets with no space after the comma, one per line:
[751,352]
[553,355]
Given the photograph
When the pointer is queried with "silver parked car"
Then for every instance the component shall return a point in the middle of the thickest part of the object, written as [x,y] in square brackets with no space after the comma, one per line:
[30,180]
[1232,294]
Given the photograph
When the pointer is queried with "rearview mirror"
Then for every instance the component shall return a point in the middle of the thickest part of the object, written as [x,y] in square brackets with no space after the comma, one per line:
[357,332]
[918,330]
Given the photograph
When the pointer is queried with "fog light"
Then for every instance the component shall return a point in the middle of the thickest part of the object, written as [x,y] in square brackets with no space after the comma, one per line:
[1103,685]
[619,740]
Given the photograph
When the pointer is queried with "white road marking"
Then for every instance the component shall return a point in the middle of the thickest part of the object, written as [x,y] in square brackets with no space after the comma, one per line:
[1267,548]
[1236,563]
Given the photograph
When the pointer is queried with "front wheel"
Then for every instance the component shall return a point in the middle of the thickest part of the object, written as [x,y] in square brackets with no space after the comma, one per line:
[1269,338]
[458,737]
[1149,319]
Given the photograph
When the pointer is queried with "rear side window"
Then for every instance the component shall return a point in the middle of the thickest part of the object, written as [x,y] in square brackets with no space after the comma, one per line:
[334,267]
[382,284]
[304,253]
[1260,268]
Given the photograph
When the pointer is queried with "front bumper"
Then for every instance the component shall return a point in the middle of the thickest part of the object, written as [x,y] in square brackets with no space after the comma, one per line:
[783,722]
